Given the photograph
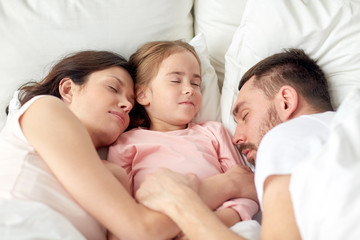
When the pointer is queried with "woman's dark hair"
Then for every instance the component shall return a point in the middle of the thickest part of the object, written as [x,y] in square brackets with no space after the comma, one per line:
[294,68]
[77,66]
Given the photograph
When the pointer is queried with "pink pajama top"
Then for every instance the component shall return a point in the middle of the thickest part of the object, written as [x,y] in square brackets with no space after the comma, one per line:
[203,149]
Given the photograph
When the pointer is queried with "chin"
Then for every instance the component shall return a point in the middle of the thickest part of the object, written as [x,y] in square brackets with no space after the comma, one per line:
[112,135]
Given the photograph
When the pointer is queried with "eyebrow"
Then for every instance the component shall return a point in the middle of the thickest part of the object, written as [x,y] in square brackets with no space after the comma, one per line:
[119,80]
[182,74]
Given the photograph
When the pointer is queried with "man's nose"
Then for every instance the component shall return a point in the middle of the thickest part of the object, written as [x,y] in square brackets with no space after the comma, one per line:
[239,136]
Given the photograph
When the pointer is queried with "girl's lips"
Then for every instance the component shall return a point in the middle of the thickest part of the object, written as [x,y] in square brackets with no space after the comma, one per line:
[119,115]
[187,103]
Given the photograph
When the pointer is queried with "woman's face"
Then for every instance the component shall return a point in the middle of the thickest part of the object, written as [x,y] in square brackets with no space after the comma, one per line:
[103,104]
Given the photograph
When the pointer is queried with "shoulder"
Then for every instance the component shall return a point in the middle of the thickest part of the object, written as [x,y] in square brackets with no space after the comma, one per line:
[136,136]
[300,128]
[135,132]
[50,103]
[210,125]
[213,129]
[46,111]
[42,106]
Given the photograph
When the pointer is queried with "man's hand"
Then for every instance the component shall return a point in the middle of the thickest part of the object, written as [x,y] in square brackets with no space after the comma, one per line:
[165,189]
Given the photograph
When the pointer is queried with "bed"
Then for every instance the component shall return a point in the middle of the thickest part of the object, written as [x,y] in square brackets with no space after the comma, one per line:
[229,36]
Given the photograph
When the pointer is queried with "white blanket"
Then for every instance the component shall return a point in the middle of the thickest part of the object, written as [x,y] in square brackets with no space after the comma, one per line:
[325,189]
[33,221]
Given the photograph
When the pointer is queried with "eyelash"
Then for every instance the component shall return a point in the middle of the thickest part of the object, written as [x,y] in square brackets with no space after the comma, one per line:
[244,117]
[114,89]
[194,84]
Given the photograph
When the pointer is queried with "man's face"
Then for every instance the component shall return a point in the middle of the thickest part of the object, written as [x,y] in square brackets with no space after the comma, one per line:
[255,115]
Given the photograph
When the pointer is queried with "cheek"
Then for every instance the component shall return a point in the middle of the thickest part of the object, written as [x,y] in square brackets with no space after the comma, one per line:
[254,131]
[199,95]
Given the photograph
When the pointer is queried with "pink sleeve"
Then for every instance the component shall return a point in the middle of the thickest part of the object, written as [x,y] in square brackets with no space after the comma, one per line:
[228,154]
[122,153]
[246,208]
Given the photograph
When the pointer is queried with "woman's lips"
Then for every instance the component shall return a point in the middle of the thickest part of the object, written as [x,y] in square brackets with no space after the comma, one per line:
[119,115]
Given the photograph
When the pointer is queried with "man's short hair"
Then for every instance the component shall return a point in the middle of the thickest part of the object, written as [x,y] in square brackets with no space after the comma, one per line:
[295,68]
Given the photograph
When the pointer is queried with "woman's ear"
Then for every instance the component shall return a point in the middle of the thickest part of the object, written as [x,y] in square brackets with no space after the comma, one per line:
[287,102]
[65,89]
[142,95]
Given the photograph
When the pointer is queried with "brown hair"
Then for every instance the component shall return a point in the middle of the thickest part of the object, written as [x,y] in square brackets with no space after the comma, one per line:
[77,66]
[147,60]
[296,69]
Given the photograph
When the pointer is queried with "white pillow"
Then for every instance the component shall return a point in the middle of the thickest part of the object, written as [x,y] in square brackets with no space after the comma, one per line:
[35,34]
[210,107]
[328,30]
[218,20]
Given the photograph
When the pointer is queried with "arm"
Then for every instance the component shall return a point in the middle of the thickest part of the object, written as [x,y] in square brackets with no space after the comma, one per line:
[170,193]
[243,207]
[228,216]
[237,182]
[277,208]
[71,156]
[119,173]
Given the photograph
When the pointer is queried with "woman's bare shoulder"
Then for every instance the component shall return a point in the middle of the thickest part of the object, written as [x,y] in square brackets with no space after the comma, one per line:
[46,110]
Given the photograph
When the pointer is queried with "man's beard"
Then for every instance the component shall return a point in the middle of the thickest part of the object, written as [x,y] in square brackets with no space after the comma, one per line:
[269,122]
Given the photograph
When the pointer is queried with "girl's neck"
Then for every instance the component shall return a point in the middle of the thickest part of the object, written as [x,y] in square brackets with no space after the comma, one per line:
[165,127]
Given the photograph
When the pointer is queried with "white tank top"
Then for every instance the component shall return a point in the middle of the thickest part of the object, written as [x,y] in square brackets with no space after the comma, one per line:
[25,176]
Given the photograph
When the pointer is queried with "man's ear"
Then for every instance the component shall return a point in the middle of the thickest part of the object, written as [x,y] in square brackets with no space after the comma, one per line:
[66,89]
[287,102]
[142,95]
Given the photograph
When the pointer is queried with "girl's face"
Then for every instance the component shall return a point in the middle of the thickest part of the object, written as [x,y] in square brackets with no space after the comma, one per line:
[103,104]
[173,96]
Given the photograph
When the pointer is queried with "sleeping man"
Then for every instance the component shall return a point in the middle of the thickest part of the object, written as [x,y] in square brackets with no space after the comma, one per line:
[284,116]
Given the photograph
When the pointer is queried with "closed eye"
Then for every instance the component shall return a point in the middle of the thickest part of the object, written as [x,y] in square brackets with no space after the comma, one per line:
[245,116]
[114,89]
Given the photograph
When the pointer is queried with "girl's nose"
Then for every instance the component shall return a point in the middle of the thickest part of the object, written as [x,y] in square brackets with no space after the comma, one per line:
[188,89]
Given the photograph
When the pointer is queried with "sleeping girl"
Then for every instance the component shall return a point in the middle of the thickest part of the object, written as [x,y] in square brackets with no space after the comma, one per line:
[168,95]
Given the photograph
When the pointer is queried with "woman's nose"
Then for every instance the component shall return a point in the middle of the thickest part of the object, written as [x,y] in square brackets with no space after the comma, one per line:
[125,105]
